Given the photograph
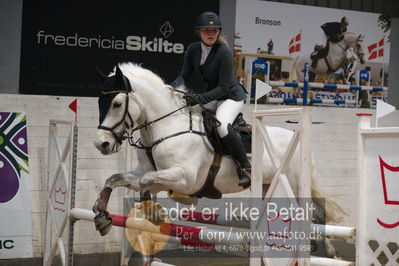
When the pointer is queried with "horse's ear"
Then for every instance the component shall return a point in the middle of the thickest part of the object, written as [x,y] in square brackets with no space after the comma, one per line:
[118,73]
[102,76]
[121,78]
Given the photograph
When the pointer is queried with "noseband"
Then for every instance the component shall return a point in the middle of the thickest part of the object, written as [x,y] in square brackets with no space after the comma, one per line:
[119,138]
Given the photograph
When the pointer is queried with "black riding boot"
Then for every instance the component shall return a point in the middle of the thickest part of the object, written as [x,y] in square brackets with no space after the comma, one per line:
[236,149]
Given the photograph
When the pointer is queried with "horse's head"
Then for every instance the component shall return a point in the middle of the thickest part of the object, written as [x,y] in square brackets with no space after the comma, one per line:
[355,42]
[117,110]
[359,49]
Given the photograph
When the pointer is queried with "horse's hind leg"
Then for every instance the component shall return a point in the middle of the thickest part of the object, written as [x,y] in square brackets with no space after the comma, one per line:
[102,220]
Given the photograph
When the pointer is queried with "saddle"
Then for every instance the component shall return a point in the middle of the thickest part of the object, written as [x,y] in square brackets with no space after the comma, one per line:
[320,52]
[240,125]
[208,190]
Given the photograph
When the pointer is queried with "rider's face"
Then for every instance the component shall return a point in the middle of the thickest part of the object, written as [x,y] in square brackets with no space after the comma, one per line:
[344,26]
[209,35]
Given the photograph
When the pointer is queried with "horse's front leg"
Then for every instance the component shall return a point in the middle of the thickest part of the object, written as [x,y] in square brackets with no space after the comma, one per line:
[174,178]
[102,220]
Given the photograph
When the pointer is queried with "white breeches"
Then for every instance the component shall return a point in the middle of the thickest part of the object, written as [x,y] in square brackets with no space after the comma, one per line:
[325,39]
[226,112]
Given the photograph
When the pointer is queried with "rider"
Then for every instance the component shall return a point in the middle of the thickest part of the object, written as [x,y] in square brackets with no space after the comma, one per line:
[332,32]
[211,60]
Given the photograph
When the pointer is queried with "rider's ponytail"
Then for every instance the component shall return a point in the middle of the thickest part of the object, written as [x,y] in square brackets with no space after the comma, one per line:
[222,40]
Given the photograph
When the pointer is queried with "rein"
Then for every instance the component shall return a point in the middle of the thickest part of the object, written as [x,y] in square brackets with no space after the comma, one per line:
[148,148]
[119,138]
[156,142]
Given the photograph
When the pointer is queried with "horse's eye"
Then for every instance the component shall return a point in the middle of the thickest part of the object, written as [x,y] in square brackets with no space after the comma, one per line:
[116,105]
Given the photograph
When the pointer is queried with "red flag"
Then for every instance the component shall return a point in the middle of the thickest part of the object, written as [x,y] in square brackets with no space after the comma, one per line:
[74,107]
[372,47]
[381,52]
[376,49]
[295,44]
[298,47]
[373,55]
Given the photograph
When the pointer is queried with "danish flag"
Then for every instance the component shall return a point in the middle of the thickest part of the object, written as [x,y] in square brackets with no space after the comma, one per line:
[295,44]
[376,49]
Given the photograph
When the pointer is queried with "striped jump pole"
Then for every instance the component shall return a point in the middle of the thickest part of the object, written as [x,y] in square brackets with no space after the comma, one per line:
[310,101]
[191,235]
[338,232]
[306,85]
[182,231]
[215,219]
[315,85]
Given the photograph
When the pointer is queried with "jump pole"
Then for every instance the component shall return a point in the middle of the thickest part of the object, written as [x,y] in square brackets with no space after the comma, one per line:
[182,231]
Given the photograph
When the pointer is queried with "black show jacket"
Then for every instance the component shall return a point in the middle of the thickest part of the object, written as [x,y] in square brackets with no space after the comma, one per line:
[216,72]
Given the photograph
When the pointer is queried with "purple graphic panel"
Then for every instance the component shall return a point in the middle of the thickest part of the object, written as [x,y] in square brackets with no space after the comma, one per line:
[9,181]
[3,117]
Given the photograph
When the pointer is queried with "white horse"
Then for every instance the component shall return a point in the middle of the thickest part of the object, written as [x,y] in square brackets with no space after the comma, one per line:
[335,59]
[182,162]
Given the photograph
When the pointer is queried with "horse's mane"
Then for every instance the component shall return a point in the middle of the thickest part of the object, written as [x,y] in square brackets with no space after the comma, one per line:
[135,71]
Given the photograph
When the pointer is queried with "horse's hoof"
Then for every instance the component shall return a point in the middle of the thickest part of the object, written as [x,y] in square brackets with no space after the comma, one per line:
[103,223]
[105,230]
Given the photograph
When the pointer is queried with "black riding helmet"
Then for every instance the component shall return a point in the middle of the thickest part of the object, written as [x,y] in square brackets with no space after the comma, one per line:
[208,19]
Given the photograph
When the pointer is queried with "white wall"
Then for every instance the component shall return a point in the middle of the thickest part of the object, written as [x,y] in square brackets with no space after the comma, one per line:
[93,168]
[334,148]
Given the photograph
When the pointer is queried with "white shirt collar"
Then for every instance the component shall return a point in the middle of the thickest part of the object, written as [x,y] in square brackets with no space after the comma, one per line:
[204,52]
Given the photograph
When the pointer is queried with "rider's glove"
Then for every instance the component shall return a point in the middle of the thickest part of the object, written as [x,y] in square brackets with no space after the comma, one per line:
[193,99]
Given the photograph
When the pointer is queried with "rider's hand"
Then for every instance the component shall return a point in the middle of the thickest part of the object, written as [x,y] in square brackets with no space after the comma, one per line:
[192,99]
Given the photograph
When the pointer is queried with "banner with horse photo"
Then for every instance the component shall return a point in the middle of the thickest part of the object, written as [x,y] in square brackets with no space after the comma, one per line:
[341,47]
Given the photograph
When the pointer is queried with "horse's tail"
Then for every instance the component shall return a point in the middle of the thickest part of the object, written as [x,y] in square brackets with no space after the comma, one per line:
[293,75]
[334,214]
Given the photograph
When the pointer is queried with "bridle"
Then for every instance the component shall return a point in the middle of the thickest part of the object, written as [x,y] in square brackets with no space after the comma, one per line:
[130,127]
[355,46]
[120,137]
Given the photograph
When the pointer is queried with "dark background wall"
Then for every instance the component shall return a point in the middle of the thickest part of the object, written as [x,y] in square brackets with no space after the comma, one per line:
[63,41]
[11,21]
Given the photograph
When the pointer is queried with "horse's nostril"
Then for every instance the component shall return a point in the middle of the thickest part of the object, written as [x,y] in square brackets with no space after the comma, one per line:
[105,145]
